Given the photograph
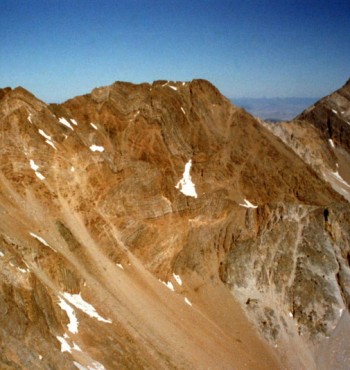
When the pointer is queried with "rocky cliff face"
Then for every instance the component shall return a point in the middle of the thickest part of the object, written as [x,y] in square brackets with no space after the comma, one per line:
[142,224]
[331,116]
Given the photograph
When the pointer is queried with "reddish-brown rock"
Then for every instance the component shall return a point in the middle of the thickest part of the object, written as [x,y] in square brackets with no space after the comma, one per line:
[89,205]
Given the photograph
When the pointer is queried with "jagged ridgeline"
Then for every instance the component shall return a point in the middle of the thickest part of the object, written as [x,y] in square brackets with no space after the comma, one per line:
[158,226]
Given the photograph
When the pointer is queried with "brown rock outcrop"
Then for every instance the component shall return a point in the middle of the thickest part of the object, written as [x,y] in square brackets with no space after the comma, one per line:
[108,193]
[331,116]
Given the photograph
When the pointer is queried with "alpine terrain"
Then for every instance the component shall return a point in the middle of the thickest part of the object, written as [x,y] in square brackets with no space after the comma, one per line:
[158,226]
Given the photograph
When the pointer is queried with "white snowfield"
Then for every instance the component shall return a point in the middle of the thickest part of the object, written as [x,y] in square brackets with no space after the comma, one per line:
[183,110]
[74,122]
[65,123]
[39,175]
[247,204]
[30,118]
[65,346]
[178,279]
[185,185]
[35,167]
[41,240]
[43,133]
[120,266]
[96,148]
[173,87]
[47,137]
[73,321]
[169,285]
[50,143]
[1,254]
[331,142]
[188,302]
[93,126]
[77,301]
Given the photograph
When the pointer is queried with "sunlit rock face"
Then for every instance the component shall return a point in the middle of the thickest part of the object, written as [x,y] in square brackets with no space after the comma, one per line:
[159,226]
[331,116]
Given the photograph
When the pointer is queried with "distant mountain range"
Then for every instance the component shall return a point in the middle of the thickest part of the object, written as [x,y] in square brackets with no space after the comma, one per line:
[274,109]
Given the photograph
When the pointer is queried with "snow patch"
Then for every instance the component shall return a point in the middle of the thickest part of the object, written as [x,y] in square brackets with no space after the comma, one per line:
[47,137]
[169,285]
[331,142]
[185,185]
[247,204]
[290,314]
[50,143]
[43,133]
[76,347]
[183,110]
[93,126]
[334,111]
[40,357]
[65,123]
[178,279]
[173,87]
[23,271]
[74,122]
[65,346]
[73,321]
[96,148]
[30,118]
[187,301]
[72,169]
[33,165]
[120,266]
[77,301]
[1,254]
[41,240]
[39,175]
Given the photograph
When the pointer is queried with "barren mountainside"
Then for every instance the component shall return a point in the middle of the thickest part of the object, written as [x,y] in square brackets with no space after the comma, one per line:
[158,226]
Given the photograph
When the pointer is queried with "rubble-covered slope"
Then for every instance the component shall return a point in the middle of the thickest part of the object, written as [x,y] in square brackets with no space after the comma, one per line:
[318,136]
[110,194]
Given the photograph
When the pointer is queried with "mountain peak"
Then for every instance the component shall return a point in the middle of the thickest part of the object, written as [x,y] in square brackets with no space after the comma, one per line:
[138,218]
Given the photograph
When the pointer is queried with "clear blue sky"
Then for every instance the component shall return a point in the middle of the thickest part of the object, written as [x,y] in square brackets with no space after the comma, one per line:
[58,49]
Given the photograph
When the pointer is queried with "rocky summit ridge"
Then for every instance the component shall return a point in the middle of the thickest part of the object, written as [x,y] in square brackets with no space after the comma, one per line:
[158,226]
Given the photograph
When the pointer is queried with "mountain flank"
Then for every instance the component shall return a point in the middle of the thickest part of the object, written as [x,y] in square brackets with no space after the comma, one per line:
[159,226]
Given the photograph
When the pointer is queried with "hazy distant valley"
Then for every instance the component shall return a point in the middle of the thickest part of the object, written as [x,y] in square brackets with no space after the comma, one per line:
[274,109]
